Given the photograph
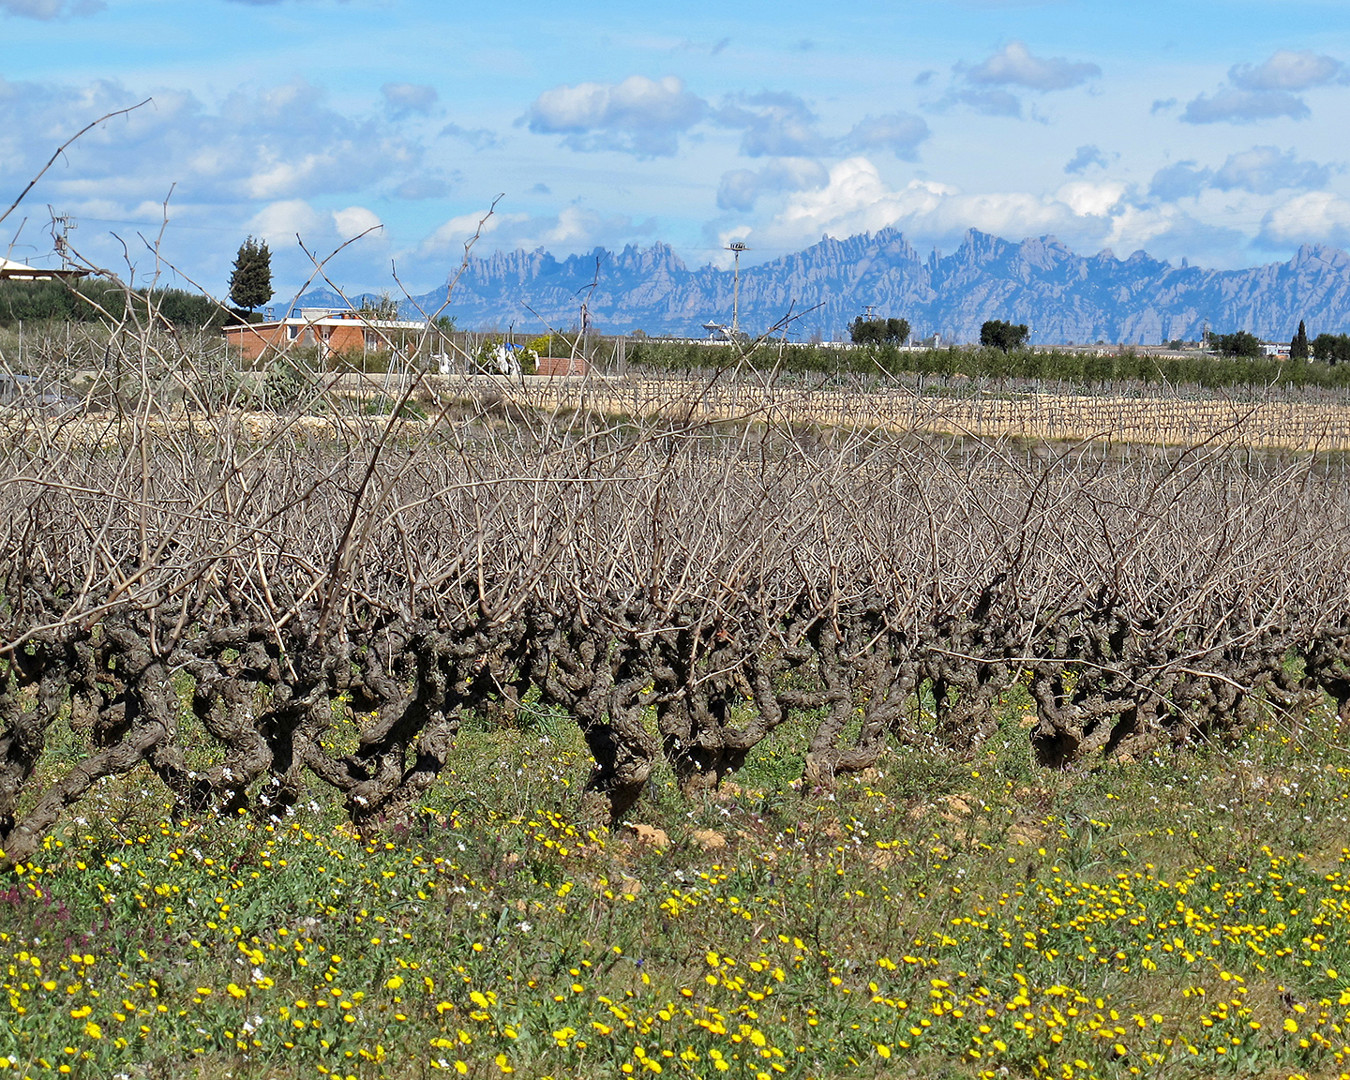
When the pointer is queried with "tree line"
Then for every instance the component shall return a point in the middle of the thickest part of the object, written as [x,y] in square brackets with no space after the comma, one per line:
[1045,365]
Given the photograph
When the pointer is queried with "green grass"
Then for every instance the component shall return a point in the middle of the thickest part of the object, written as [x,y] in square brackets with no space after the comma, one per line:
[1185,916]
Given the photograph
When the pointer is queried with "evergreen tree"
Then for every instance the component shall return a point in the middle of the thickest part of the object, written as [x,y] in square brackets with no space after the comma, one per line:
[251,281]
[998,334]
[1239,343]
[1298,348]
[878,331]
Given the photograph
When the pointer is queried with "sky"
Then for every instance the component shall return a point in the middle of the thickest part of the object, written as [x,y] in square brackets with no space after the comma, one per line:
[1210,130]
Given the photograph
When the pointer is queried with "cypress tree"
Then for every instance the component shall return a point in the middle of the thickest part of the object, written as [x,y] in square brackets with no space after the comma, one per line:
[1298,348]
[251,280]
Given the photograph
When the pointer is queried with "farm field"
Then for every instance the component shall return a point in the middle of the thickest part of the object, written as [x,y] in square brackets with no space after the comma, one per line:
[1158,418]
[686,735]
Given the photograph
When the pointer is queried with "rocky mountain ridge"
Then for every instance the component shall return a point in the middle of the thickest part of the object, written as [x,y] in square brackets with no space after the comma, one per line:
[1063,296]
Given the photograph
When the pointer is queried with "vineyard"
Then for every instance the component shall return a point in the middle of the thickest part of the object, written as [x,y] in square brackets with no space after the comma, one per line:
[248,616]
[207,597]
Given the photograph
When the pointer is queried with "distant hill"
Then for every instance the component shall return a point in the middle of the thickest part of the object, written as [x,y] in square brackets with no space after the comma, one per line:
[1064,297]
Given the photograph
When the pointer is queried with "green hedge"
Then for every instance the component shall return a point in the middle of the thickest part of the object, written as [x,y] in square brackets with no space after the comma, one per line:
[55,301]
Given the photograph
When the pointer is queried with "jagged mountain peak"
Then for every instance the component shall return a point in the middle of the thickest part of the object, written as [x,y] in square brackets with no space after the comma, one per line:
[1064,296]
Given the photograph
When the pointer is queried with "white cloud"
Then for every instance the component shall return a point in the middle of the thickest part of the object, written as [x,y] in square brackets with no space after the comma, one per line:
[287,223]
[899,132]
[1288,70]
[857,199]
[1268,90]
[451,237]
[1014,65]
[1091,200]
[1182,180]
[1262,170]
[579,227]
[1243,106]
[355,220]
[1317,216]
[740,189]
[280,222]
[775,124]
[576,228]
[271,144]
[639,115]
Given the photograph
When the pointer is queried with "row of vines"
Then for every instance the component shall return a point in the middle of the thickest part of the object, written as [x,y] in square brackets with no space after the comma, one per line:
[205,596]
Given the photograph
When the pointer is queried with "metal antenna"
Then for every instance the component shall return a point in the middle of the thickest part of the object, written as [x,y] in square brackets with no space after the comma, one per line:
[736,247]
[66,224]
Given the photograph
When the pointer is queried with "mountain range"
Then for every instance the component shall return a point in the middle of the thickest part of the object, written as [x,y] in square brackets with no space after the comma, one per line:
[1064,297]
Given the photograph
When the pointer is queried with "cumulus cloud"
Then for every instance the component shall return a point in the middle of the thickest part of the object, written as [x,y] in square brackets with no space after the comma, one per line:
[404,99]
[50,9]
[452,235]
[740,189]
[639,115]
[270,144]
[1262,170]
[355,220]
[279,223]
[1084,158]
[1288,70]
[1317,216]
[646,117]
[575,228]
[898,132]
[1266,91]
[774,124]
[322,231]
[282,147]
[1014,65]
[1236,106]
[856,199]
[1182,180]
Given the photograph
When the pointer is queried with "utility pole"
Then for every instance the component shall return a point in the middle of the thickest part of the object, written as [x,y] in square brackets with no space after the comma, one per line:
[736,247]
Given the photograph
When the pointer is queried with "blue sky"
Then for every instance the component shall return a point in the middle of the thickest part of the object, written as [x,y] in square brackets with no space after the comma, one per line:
[1207,130]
